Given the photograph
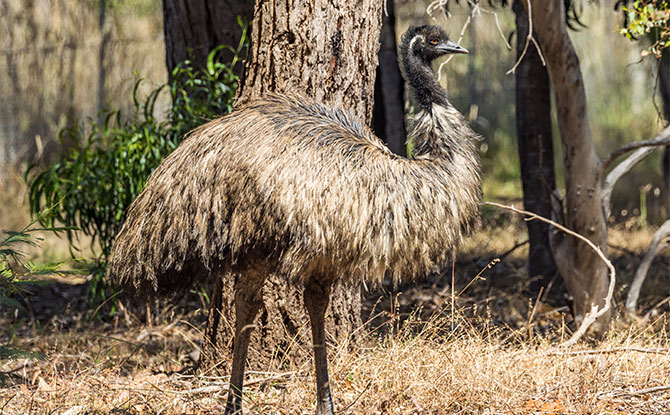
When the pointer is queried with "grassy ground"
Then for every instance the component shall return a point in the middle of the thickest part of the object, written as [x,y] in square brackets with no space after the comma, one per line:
[441,366]
[494,352]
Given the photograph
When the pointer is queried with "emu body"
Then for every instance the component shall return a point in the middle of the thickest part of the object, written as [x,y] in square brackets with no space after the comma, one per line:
[289,186]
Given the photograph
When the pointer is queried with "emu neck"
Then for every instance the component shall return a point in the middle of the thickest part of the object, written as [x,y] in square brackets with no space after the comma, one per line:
[439,132]
[422,82]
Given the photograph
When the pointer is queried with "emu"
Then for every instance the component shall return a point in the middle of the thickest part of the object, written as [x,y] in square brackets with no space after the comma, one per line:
[288,186]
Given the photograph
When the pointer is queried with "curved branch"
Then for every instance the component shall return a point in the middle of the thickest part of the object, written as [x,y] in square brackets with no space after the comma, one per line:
[622,168]
[641,149]
[660,240]
[595,312]
[663,138]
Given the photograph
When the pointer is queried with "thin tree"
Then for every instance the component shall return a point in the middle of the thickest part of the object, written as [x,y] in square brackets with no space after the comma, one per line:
[536,155]
[388,120]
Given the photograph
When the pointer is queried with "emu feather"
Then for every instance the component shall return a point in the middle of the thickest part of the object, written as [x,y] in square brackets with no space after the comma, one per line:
[319,194]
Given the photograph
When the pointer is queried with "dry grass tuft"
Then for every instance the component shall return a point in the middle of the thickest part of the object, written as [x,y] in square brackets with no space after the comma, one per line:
[442,365]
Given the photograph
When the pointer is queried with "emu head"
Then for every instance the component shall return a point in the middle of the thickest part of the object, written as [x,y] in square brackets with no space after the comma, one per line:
[428,43]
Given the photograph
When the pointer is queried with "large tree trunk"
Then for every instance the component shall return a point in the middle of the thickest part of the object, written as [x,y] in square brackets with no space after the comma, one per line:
[584,274]
[536,155]
[388,120]
[194,27]
[326,50]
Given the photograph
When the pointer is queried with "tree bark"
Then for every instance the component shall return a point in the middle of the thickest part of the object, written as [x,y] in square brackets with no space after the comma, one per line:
[536,155]
[325,50]
[194,27]
[388,116]
[584,274]
[664,90]
[102,52]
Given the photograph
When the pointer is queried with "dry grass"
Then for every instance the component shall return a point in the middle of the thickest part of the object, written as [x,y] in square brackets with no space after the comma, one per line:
[443,365]
[496,356]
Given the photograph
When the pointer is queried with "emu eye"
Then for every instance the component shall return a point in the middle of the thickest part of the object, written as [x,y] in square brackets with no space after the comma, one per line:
[434,41]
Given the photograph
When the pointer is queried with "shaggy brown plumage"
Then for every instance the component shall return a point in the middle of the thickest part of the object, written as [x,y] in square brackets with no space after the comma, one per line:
[289,186]
[303,184]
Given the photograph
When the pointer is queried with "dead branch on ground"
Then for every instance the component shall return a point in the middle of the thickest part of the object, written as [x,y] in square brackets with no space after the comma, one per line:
[595,312]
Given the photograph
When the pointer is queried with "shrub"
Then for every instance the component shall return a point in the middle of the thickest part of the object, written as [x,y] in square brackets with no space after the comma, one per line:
[95,182]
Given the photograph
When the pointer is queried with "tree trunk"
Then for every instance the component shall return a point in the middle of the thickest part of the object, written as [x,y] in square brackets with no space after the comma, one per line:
[664,90]
[584,274]
[536,155]
[388,117]
[102,52]
[194,27]
[326,50]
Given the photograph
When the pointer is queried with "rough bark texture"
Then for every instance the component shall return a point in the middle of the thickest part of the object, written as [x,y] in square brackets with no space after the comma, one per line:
[584,274]
[536,155]
[325,49]
[388,117]
[198,26]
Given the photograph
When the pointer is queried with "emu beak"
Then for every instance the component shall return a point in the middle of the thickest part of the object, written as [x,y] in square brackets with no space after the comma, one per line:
[452,47]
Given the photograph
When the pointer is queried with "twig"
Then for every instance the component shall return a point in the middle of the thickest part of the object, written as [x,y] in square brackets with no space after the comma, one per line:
[660,303]
[434,5]
[532,313]
[595,312]
[488,266]
[453,283]
[460,39]
[514,248]
[539,51]
[644,391]
[502,35]
[357,397]
[529,39]
[608,351]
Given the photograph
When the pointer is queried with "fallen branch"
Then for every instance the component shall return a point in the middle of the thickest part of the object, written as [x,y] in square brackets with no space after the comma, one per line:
[219,386]
[595,312]
[644,391]
[608,351]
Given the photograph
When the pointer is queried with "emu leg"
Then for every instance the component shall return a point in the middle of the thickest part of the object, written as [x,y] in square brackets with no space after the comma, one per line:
[247,303]
[316,299]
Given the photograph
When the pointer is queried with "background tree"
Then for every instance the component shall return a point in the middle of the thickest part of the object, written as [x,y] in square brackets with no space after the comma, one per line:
[588,181]
[388,117]
[194,27]
[326,50]
[536,155]
[650,20]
